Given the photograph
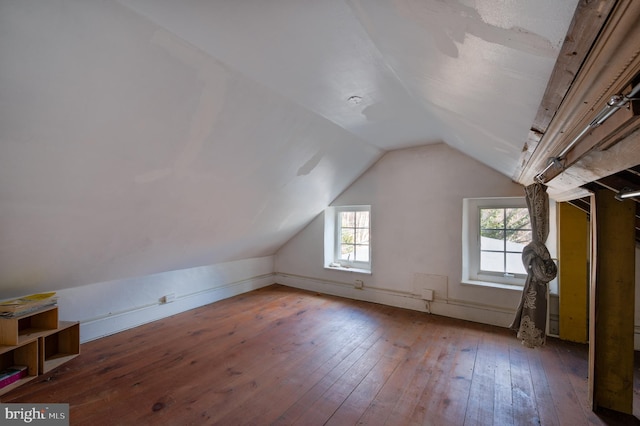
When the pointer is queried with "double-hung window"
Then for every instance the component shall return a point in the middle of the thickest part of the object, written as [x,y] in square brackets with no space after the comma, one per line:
[495,231]
[348,238]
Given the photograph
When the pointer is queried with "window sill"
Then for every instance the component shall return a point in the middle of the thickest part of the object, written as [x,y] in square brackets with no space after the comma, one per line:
[348,269]
[513,287]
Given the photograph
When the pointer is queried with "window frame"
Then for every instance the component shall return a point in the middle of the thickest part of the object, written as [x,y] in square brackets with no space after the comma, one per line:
[333,239]
[471,271]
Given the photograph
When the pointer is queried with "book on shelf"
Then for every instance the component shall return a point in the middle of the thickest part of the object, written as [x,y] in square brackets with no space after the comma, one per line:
[25,304]
[12,374]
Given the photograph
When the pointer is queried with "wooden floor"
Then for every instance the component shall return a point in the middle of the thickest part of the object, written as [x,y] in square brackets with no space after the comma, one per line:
[285,356]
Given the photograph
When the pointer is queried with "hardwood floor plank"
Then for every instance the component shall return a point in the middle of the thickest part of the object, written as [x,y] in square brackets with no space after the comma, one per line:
[525,411]
[327,376]
[336,394]
[574,361]
[286,356]
[478,411]
[502,397]
[240,372]
[459,385]
[567,406]
[412,393]
[305,371]
[381,408]
[356,403]
[434,398]
[542,391]
[354,406]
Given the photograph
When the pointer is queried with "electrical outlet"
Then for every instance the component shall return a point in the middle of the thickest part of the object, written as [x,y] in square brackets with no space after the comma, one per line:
[437,283]
[358,284]
[427,294]
[168,298]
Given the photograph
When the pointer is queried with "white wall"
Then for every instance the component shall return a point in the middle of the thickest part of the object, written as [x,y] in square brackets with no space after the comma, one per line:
[416,197]
[126,151]
[109,307]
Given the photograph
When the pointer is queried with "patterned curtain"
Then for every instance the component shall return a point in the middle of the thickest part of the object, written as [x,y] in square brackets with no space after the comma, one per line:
[531,318]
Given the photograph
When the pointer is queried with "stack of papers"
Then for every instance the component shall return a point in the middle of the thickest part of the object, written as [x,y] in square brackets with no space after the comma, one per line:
[16,307]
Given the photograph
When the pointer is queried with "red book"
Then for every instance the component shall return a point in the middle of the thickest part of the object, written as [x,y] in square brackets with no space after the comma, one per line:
[12,375]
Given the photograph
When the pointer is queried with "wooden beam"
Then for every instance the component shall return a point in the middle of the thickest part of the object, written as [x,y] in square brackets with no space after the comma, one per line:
[612,300]
[573,246]
[611,65]
[594,166]
[620,126]
[588,18]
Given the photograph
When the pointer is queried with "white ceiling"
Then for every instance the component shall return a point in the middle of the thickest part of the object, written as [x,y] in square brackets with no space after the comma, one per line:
[139,136]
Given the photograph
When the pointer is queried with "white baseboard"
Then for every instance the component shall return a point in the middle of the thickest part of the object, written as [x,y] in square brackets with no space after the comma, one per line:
[104,326]
[96,328]
[465,310]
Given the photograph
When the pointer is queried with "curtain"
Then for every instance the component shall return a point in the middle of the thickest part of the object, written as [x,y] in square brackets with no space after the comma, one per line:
[531,317]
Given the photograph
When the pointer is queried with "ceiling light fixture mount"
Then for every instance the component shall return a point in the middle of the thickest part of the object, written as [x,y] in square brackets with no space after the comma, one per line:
[354,100]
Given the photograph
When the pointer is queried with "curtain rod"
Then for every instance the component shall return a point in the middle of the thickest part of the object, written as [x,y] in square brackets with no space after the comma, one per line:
[615,103]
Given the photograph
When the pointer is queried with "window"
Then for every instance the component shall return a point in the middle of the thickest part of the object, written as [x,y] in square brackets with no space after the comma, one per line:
[503,234]
[495,230]
[347,238]
[353,236]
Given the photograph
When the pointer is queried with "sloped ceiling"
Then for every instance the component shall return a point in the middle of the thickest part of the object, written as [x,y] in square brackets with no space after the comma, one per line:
[140,136]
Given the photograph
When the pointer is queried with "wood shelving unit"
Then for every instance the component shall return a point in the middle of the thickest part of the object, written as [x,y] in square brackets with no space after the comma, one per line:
[38,341]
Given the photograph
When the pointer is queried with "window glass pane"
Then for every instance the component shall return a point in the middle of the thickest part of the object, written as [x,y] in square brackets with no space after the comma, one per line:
[362,219]
[362,236]
[492,218]
[492,262]
[362,253]
[514,264]
[347,219]
[492,240]
[517,218]
[348,236]
[346,251]
[516,240]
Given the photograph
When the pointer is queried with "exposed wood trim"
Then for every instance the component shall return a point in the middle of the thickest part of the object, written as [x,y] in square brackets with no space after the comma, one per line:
[593,267]
[611,65]
[588,19]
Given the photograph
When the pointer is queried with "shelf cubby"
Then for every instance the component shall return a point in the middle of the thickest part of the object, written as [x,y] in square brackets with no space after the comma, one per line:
[59,346]
[25,355]
[14,331]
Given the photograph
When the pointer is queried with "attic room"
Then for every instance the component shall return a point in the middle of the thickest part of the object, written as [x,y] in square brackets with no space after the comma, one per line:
[180,174]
